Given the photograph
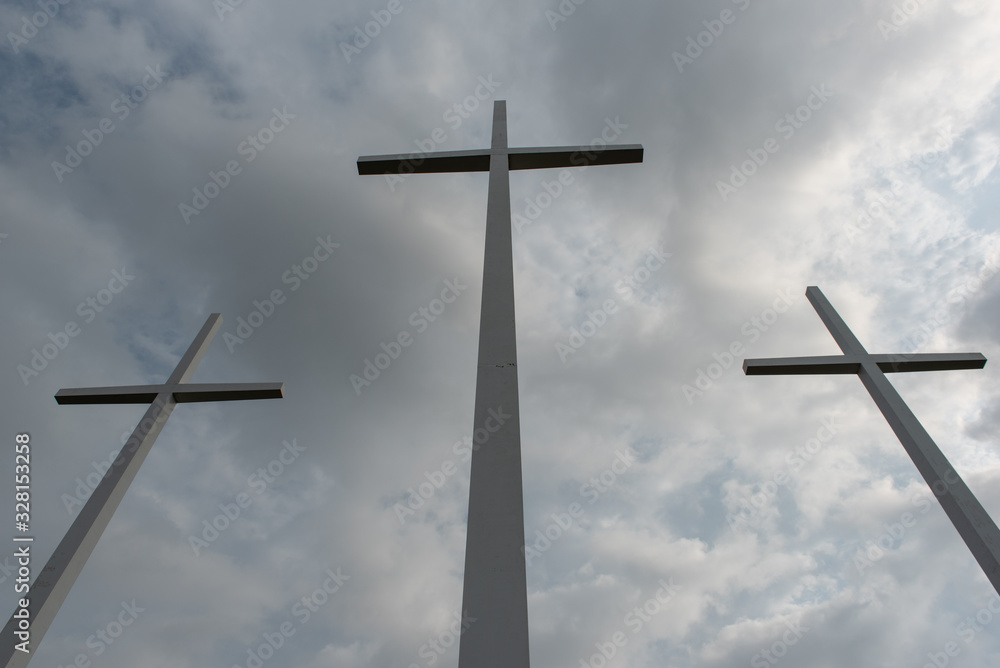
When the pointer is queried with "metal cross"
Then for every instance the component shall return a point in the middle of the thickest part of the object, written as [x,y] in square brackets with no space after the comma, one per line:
[60,572]
[973,523]
[495,591]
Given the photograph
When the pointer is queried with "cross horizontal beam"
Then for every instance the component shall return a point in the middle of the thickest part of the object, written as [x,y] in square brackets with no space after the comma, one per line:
[573,156]
[517,158]
[182,393]
[851,364]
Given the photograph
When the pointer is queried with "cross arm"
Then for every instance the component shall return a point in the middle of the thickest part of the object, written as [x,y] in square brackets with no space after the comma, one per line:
[126,394]
[846,364]
[780,366]
[190,393]
[929,362]
[425,163]
[572,156]
[182,393]
[517,158]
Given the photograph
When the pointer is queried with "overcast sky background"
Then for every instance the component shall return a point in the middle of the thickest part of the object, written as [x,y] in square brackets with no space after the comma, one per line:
[907,131]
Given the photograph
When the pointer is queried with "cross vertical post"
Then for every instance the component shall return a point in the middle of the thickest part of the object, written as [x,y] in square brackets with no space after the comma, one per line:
[973,523]
[495,589]
[56,578]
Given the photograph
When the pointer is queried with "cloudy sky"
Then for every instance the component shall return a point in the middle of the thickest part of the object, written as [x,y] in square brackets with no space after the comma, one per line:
[161,161]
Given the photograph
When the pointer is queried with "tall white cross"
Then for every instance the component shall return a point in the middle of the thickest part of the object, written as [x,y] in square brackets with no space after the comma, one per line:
[56,578]
[495,592]
[976,527]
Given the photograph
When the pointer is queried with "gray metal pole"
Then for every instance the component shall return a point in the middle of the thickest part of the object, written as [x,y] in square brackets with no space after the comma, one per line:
[495,591]
[973,523]
[56,578]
